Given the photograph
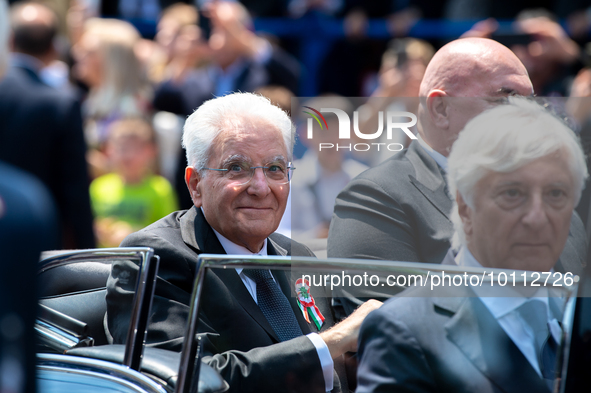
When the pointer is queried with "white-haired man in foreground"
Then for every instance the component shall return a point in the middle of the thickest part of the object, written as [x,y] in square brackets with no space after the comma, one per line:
[239,152]
[516,173]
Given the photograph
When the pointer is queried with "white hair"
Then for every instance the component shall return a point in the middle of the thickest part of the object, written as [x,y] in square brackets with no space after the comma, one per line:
[4,32]
[504,139]
[213,116]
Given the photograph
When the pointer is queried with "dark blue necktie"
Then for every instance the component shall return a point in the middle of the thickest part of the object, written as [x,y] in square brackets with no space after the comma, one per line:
[274,305]
[534,312]
[548,358]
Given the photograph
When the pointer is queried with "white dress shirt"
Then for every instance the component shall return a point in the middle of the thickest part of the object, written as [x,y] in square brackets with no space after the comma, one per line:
[326,361]
[439,158]
[504,309]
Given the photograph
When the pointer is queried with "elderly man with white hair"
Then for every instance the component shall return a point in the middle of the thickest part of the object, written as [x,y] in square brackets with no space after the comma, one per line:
[516,173]
[399,210]
[239,149]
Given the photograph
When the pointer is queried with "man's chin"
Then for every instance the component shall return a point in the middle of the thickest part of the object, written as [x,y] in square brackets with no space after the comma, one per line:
[252,213]
[537,263]
[260,228]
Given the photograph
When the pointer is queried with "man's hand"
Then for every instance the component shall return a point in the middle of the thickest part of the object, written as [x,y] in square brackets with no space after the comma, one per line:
[578,106]
[229,18]
[343,336]
[483,29]
[551,41]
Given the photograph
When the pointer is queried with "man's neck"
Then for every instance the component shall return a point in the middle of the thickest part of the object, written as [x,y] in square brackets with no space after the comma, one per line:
[232,248]
[439,158]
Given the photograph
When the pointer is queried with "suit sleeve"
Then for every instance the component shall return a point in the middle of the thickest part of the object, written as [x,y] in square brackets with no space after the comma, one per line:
[391,359]
[283,367]
[73,176]
[288,366]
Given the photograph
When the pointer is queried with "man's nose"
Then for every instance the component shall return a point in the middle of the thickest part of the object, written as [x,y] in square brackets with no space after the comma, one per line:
[536,214]
[258,184]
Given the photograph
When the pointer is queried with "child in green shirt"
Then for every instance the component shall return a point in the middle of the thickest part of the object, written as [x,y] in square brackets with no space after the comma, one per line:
[131,197]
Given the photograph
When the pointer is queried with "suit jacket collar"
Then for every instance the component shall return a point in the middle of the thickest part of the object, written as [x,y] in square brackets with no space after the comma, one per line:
[478,335]
[429,179]
[197,234]
[28,72]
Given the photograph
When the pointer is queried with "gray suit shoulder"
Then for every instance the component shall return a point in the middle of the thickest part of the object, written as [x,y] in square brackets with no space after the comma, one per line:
[169,223]
[396,166]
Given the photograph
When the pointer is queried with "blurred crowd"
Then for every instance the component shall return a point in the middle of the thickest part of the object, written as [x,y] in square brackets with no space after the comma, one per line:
[97,92]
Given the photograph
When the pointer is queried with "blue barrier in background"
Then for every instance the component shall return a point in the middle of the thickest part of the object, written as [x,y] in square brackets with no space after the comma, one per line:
[317,32]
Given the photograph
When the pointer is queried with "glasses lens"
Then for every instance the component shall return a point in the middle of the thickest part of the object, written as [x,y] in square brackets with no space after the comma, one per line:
[238,172]
[276,173]
[241,173]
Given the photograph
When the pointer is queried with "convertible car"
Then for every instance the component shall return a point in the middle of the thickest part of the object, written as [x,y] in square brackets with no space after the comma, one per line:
[74,353]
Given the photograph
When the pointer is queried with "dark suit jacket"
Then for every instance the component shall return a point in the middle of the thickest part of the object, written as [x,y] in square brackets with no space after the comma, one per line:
[444,340]
[27,227]
[241,344]
[41,133]
[399,211]
[440,344]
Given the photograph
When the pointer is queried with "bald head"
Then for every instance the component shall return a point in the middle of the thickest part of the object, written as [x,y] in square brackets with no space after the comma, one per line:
[468,67]
[34,27]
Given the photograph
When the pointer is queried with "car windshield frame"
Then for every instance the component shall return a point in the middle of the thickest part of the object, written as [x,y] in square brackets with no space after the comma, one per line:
[190,356]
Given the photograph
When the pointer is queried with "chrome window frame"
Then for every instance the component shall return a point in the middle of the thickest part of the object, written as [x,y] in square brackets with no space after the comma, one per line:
[144,289]
[190,359]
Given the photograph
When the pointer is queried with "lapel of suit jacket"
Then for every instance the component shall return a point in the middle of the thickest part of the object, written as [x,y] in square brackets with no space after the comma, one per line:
[197,233]
[31,74]
[429,180]
[475,331]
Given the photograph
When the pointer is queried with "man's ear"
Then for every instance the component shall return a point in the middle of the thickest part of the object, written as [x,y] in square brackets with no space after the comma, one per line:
[465,213]
[194,184]
[438,108]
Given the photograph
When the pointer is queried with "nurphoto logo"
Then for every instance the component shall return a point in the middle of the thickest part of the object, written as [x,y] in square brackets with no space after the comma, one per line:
[394,121]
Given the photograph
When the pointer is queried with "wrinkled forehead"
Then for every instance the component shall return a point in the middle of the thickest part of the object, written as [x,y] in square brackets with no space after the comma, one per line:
[551,169]
[253,139]
[487,77]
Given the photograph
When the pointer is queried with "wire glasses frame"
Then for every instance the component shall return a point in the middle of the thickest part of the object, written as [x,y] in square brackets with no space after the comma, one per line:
[241,173]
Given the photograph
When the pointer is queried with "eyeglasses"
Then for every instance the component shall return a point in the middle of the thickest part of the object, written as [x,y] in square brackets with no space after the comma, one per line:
[240,172]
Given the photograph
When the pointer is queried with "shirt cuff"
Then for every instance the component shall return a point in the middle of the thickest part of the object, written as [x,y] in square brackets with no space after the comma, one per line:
[325,360]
